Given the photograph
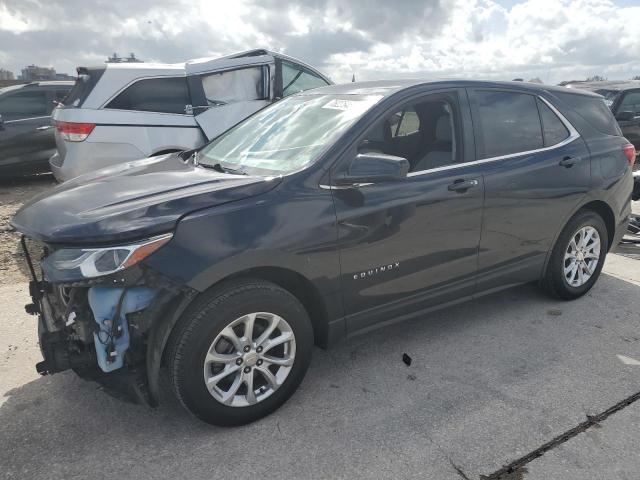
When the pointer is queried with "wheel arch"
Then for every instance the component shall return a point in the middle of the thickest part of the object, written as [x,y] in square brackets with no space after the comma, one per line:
[297,285]
[606,212]
[600,207]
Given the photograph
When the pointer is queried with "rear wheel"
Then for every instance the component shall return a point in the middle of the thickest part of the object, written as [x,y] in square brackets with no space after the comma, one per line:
[577,257]
[240,352]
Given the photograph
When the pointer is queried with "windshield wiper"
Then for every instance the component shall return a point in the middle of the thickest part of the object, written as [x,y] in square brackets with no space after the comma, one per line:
[218,167]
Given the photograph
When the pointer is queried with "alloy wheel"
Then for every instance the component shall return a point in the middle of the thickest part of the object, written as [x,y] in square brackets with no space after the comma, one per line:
[582,256]
[249,359]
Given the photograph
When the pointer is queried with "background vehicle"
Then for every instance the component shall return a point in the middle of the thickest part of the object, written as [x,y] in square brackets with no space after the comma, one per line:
[26,132]
[326,214]
[623,97]
[121,112]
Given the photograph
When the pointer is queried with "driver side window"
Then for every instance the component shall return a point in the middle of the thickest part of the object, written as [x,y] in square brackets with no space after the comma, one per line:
[423,132]
[631,103]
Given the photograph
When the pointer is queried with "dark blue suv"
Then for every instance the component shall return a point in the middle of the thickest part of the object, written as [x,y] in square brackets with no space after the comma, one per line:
[327,214]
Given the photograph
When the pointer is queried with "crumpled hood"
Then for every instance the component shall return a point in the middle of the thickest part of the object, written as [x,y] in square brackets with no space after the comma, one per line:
[131,201]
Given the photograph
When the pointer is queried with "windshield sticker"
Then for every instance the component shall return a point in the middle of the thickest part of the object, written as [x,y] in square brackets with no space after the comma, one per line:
[344,104]
[338,104]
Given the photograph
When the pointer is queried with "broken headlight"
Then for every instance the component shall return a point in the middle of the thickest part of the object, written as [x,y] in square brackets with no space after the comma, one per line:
[72,264]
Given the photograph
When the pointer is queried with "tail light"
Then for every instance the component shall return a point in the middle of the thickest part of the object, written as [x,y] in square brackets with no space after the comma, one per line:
[74,132]
[630,152]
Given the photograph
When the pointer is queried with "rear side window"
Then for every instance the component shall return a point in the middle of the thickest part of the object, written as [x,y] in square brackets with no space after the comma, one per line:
[163,95]
[553,129]
[234,86]
[296,79]
[24,104]
[594,110]
[509,123]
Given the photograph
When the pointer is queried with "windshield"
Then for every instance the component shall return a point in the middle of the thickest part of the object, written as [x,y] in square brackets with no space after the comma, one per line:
[287,135]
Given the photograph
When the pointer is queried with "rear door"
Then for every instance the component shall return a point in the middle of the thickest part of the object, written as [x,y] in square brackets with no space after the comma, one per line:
[536,170]
[26,135]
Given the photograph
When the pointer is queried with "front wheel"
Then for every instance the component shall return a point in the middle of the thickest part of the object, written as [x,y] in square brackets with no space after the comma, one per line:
[578,256]
[240,352]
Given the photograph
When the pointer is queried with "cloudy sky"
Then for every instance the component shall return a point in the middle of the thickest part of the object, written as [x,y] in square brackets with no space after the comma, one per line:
[551,39]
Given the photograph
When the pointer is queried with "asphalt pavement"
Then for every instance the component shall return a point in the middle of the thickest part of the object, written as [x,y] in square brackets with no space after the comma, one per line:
[513,379]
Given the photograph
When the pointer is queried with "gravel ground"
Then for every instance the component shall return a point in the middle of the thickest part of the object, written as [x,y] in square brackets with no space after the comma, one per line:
[12,195]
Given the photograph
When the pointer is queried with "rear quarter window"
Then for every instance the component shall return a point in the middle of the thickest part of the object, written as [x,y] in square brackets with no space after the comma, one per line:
[553,129]
[594,110]
[163,95]
[85,82]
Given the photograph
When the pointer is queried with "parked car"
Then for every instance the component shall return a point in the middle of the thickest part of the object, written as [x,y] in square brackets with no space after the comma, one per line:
[123,111]
[326,214]
[26,132]
[623,97]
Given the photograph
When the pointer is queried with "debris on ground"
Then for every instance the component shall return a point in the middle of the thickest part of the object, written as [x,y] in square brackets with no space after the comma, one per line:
[406,359]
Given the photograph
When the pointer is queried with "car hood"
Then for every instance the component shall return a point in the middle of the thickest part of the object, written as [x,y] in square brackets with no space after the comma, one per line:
[131,201]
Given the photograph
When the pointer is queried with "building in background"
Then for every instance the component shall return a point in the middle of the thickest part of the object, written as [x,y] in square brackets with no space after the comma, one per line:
[130,59]
[6,74]
[34,73]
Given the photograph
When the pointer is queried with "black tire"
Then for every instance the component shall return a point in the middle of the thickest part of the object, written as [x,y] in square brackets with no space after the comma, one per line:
[554,281]
[205,319]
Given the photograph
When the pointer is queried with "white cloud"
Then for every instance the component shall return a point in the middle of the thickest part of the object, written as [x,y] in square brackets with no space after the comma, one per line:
[550,39]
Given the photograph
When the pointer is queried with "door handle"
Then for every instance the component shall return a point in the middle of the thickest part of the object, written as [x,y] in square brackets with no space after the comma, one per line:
[45,127]
[568,162]
[462,186]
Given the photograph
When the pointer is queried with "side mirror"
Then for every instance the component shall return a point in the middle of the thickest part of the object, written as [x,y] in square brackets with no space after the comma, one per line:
[625,116]
[374,168]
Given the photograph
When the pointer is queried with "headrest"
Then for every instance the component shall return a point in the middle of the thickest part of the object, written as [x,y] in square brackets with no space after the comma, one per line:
[443,129]
[377,134]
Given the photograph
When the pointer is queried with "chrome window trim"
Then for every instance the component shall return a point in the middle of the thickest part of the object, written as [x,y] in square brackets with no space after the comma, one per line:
[42,117]
[573,135]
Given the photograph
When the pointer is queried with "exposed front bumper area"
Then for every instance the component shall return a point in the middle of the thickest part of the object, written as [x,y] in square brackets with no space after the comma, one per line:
[100,328]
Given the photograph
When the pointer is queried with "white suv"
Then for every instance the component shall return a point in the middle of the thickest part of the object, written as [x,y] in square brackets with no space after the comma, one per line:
[127,111]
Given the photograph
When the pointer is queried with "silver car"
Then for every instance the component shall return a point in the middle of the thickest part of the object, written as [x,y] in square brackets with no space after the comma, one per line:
[126,111]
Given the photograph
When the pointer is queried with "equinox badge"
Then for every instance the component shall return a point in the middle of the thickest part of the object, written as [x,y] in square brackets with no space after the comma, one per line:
[375,271]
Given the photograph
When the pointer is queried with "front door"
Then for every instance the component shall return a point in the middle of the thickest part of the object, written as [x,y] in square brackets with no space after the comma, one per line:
[411,244]
[630,102]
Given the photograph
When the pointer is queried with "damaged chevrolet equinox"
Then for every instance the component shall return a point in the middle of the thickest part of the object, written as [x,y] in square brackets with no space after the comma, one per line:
[326,214]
